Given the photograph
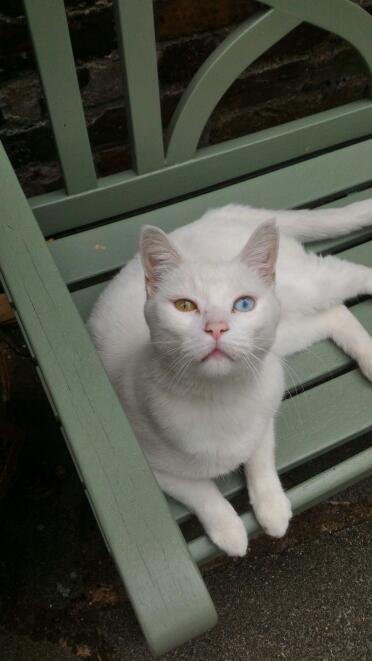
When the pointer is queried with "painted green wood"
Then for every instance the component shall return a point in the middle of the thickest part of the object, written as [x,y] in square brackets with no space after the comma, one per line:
[136,38]
[218,72]
[311,424]
[49,32]
[334,246]
[245,45]
[324,359]
[165,587]
[85,298]
[104,263]
[342,17]
[343,411]
[98,250]
[302,497]
[361,254]
[125,192]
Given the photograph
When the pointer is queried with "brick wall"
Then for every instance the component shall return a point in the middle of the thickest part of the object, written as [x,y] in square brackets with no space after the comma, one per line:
[308,71]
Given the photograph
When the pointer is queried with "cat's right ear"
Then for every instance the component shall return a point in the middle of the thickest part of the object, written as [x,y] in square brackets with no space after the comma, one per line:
[261,251]
[158,256]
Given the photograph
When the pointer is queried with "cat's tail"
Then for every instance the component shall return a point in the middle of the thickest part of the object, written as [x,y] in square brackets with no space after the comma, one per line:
[317,224]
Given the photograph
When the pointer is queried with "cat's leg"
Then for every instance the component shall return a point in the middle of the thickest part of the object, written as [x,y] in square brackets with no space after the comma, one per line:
[337,324]
[218,517]
[334,280]
[270,504]
[298,332]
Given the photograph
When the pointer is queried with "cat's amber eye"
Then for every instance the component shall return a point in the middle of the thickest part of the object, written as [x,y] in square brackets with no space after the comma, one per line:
[184,305]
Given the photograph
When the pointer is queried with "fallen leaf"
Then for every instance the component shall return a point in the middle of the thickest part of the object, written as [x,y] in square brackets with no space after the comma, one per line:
[104,595]
[83,651]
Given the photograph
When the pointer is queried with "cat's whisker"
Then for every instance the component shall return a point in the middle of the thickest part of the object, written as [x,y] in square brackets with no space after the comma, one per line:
[251,366]
[182,367]
[179,359]
[183,370]
[297,390]
[256,375]
[291,372]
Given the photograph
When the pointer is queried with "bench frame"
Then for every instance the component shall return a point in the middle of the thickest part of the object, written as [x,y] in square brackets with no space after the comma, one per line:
[158,568]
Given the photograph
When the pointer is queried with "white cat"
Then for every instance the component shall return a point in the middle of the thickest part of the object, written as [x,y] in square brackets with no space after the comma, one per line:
[195,356]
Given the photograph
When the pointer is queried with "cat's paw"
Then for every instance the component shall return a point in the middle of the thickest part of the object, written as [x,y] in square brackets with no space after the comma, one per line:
[274,512]
[230,536]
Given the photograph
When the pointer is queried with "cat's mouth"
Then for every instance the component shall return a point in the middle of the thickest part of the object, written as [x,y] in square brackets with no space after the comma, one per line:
[215,354]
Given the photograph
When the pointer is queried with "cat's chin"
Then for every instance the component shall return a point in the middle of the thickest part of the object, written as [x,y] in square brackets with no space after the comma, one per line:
[216,366]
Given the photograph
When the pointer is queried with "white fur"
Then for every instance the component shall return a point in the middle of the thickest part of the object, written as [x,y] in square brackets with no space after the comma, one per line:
[197,419]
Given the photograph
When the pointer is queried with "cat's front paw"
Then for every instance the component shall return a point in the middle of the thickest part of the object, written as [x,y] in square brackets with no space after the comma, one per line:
[230,536]
[273,512]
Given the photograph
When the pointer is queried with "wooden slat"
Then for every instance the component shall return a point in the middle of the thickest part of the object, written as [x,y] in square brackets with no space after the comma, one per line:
[165,587]
[240,48]
[85,297]
[245,44]
[52,45]
[126,192]
[98,250]
[136,37]
[324,359]
[360,254]
[341,17]
[311,424]
[343,411]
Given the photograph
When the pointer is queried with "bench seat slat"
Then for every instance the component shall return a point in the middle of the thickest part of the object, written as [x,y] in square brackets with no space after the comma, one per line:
[343,409]
[324,359]
[126,192]
[86,296]
[96,251]
[84,299]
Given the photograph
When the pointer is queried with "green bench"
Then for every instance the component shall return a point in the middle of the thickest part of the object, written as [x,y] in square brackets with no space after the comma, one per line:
[324,159]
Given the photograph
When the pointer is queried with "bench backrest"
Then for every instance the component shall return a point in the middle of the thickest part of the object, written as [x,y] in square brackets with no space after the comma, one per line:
[173,166]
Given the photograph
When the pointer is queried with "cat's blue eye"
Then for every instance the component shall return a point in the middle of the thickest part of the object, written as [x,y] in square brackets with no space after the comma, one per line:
[244,304]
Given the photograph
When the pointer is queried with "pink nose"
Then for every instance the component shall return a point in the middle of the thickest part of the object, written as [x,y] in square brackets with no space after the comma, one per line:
[216,328]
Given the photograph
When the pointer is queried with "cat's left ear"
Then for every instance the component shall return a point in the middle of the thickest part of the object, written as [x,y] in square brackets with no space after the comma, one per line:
[261,251]
[158,256]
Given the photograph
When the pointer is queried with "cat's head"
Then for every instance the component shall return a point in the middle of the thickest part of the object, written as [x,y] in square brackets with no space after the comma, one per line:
[211,320]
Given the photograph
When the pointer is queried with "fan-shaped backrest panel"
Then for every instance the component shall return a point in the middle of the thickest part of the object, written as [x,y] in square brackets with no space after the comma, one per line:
[165,168]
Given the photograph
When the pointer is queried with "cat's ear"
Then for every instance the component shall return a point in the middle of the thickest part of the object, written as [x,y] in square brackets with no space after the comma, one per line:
[158,256]
[261,251]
